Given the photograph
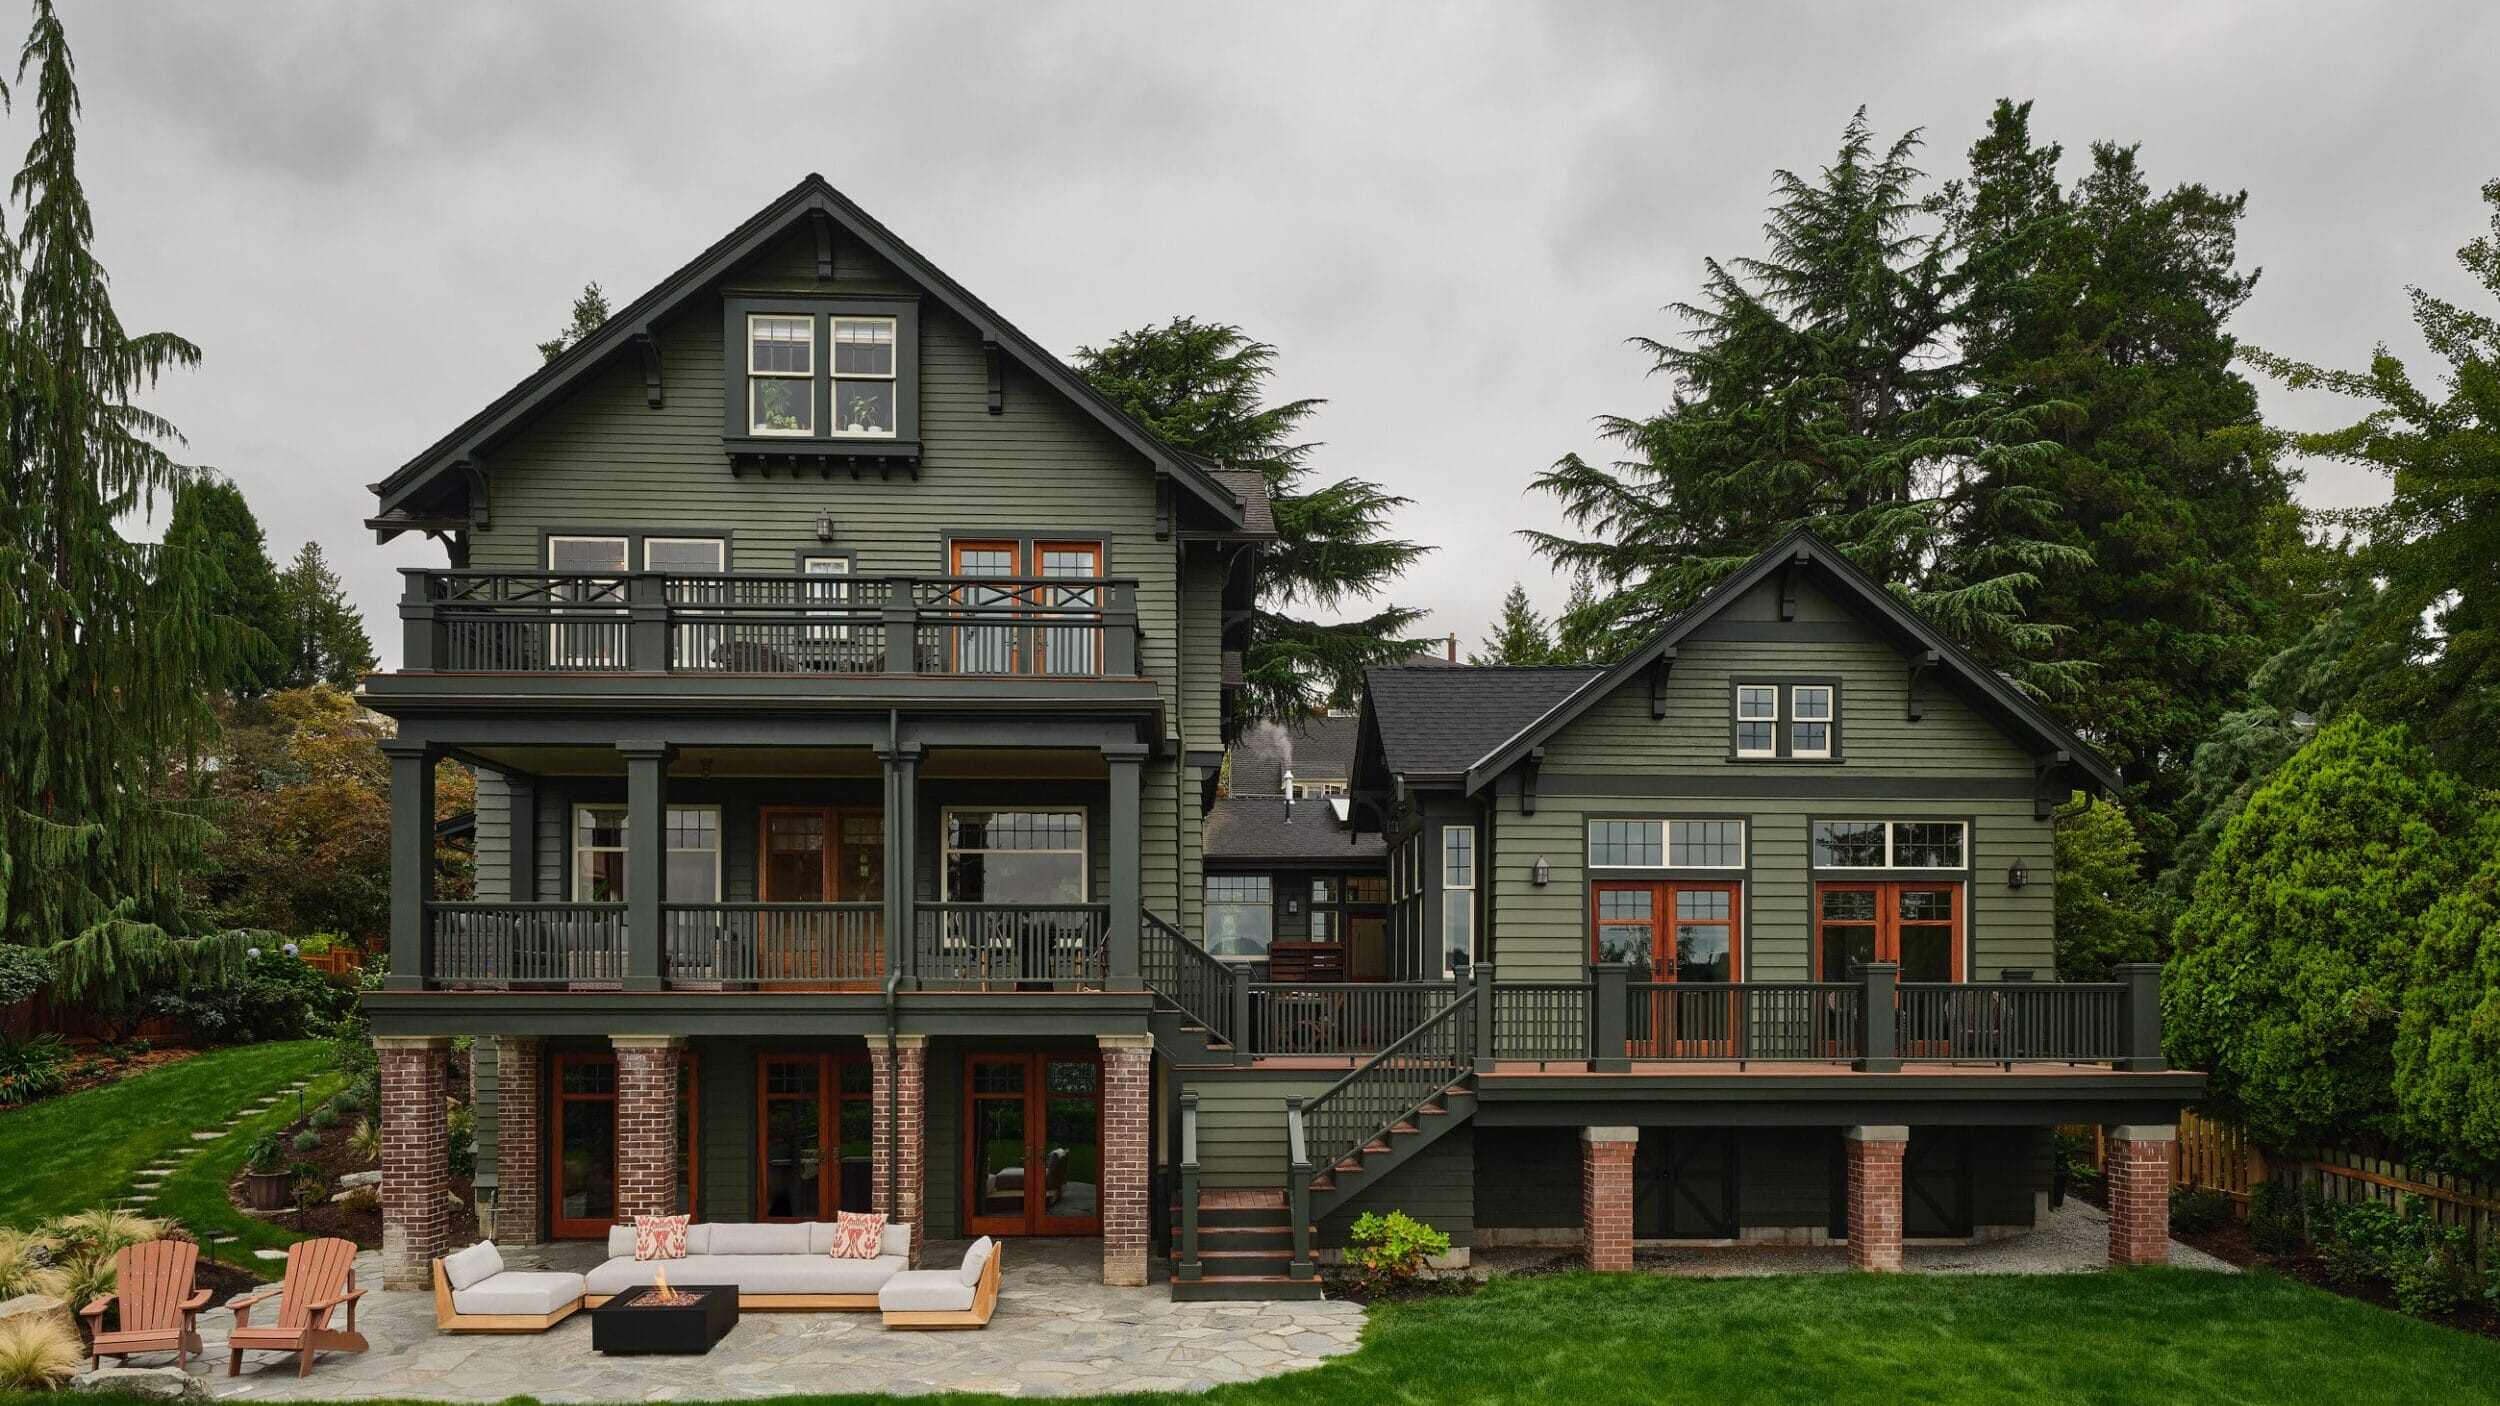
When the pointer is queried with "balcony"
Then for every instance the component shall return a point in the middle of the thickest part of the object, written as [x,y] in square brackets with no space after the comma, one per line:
[747,625]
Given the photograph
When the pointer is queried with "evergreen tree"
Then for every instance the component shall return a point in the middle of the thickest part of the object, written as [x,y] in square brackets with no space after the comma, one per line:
[1820,385]
[2437,542]
[1580,636]
[589,311]
[330,644]
[111,646]
[2104,913]
[2105,307]
[1201,387]
[2448,1038]
[1520,636]
[212,520]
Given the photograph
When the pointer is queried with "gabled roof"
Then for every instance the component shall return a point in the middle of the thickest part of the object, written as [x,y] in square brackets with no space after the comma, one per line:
[1196,475]
[1438,719]
[1320,746]
[1989,691]
[1242,828]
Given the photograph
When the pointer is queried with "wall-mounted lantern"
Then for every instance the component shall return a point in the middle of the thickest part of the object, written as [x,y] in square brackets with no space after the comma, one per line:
[824,524]
[1542,874]
[2017,875]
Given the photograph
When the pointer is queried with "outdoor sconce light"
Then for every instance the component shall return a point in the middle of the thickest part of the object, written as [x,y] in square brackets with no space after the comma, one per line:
[1293,905]
[1542,874]
[824,524]
[2017,875]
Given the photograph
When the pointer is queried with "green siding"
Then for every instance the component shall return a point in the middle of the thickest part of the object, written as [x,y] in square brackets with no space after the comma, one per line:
[1241,1127]
[1436,1186]
[494,839]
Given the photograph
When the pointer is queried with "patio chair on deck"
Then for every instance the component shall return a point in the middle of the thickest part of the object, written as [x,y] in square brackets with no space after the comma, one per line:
[320,1277]
[154,1284]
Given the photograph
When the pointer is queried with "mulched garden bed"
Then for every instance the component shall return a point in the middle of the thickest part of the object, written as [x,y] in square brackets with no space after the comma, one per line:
[90,1069]
[1352,1289]
[333,1218]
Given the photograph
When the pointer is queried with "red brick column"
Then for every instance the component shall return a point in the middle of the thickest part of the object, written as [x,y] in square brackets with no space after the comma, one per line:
[520,1132]
[416,1158]
[646,1125]
[1127,1157]
[1606,1196]
[1875,1155]
[898,1154]
[2136,1163]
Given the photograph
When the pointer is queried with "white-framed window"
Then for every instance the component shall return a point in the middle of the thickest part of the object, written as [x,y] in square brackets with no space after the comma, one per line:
[1666,844]
[1308,788]
[863,377]
[1810,719]
[781,373]
[1786,721]
[999,855]
[830,594]
[1757,720]
[1458,896]
[685,556]
[692,857]
[1891,844]
[1241,916]
[590,590]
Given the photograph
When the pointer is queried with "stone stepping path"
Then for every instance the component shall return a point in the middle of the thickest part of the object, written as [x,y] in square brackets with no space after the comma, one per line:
[151,1179]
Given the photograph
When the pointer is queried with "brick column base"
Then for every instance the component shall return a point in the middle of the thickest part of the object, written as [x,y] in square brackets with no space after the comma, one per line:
[416,1159]
[2135,1161]
[520,1130]
[646,1126]
[898,1134]
[1606,1197]
[1875,1155]
[1127,1157]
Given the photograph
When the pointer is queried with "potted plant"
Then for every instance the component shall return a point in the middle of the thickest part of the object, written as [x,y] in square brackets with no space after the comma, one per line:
[266,1175]
[863,414]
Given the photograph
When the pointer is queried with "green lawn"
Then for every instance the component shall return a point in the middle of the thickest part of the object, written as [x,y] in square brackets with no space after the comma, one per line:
[73,1153]
[195,1195]
[2141,1336]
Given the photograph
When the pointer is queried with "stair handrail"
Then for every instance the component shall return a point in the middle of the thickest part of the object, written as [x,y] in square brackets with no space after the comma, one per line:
[1189,1268]
[1397,1083]
[1298,1191]
[1188,976]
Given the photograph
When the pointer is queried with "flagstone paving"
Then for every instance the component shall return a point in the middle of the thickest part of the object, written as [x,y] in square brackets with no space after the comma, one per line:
[1059,1332]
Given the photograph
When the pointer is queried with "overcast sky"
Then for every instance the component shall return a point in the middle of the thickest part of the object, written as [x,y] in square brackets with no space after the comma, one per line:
[1448,217]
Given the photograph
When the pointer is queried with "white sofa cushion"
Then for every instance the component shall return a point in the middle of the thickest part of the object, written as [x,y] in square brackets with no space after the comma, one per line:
[925,1291]
[479,1262]
[894,1243]
[621,1240]
[515,1292]
[740,1239]
[975,1259]
[753,1274]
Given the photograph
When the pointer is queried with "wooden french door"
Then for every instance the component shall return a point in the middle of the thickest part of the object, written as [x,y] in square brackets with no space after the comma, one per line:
[1033,1144]
[582,1171]
[1918,925]
[820,854]
[814,1132]
[1058,631]
[1675,932]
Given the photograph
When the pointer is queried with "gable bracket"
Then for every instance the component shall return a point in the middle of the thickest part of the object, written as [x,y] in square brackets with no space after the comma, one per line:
[481,494]
[994,359]
[1528,771]
[1919,665]
[1658,673]
[823,224]
[1163,507]
[1788,585]
[2044,770]
[650,348]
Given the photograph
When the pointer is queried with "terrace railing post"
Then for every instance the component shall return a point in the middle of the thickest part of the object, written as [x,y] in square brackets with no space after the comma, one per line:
[1189,1267]
[412,861]
[424,643]
[902,791]
[1485,1010]
[1119,632]
[1611,997]
[2139,1008]
[1878,1023]
[1126,763]
[646,610]
[902,628]
[1241,1015]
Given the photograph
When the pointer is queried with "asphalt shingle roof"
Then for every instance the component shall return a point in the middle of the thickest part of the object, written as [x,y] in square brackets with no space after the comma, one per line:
[1257,518]
[1264,827]
[1436,719]
[1319,748]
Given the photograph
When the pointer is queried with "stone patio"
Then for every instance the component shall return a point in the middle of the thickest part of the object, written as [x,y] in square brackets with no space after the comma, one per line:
[1059,1332]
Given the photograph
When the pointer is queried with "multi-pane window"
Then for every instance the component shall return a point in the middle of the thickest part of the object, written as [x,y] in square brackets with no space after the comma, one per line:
[781,374]
[1809,722]
[1890,844]
[1015,856]
[1241,915]
[1798,722]
[1312,788]
[1757,721]
[1458,897]
[863,376]
[1680,844]
[595,637]
[1672,930]
[692,858]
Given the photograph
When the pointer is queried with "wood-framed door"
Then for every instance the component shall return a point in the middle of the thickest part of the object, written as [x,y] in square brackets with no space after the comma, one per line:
[1675,931]
[820,854]
[581,1169]
[1916,923]
[1033,1144]
[814,1127]
[1060,632]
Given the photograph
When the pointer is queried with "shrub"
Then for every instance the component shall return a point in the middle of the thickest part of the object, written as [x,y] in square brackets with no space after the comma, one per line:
[267,1153]
[2433,1267]
[26,1266]
[87,1277]
[104,1230]
[2360,1241]
[365,1140]
[305,1141]
[1391,1249]
[311,1185]
[347,1101]
[363,1201]
[38,1351]
[2073,1153]
[274,997]
[460,1123]
[23,972]
[2197,1209]
[32,1069]
[2274,1218]
[324,1118]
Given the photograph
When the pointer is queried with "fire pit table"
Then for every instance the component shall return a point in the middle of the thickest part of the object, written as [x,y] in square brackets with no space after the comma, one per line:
[683,1318]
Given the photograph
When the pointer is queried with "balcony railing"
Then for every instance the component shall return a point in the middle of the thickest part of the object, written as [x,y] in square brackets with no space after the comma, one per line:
[500,945]
[1012,946]
[1299,1019]
[775,944]
[546,622]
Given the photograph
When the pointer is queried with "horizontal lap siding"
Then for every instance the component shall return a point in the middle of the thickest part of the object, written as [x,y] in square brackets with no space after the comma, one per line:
[493,842]
[1241,1128]
[1436,1186]
[1527,1178]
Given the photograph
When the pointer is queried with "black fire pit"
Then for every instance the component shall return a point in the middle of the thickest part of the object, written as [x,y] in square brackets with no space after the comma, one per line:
[640,1321]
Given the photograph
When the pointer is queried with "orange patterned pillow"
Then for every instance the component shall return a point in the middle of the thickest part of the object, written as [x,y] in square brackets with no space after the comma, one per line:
[660,1237]
[856,1235]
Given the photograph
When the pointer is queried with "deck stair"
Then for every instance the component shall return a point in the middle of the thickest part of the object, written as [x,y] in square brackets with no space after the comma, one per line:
[1245,1250]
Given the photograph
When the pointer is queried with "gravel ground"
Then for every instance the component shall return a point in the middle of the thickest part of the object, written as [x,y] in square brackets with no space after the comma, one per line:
[2074,1240]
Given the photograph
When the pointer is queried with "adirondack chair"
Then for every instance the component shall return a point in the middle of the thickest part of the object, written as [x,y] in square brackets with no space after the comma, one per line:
[160,1308]
[320,1276]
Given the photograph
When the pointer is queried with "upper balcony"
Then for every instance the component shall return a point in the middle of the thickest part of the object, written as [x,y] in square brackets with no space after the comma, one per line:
[818,634]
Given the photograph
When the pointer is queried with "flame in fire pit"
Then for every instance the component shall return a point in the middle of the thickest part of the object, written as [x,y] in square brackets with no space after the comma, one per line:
[660,1295]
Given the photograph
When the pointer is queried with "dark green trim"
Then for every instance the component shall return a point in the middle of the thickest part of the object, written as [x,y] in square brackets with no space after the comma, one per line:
[829,1013]
[403,694]
[1783,721]
[1810,786]
[737,431]
[581,728]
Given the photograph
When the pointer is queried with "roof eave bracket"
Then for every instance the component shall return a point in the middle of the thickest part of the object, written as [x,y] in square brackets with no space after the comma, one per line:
[1658,674]
[481,492]
[649,346]
[995,360]
[2044,771]
[1528,771]
[1919,665]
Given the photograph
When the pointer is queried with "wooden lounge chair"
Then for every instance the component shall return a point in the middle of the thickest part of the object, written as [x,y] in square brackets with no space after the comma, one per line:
[320,1276]
[160,1307]
[905,1293]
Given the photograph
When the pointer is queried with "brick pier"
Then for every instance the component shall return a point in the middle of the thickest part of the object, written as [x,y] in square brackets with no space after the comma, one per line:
[898,1098]
[1606,1156]
[416,1158]
[1127,1157]
[1875,1155]
[646,1125]
[2136,1161]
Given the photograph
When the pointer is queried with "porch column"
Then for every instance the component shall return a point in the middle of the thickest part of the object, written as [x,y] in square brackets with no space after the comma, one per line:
[521,848]
[898,1114]
[1127,866]
[1606,1197]
[520,1140]
[1875,1154]
[646,1125]
[2135,1160]
[1127,1157]
[902,826]
[412,859]
[416,1157]
[646,860]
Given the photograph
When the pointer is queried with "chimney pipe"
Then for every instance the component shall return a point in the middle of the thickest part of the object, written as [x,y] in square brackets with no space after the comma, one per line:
[1453,646]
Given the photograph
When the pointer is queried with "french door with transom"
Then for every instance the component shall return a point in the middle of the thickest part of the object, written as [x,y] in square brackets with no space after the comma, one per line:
[1675,933]
[1916,924]
[1033,1144]
[834,859]
[814,1136]
[1058,625]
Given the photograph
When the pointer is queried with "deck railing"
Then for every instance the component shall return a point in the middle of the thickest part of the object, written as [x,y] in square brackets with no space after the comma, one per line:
[1540,1020]
[1183,973]
[775,944]
[645,622]
[1309,1018]
[1009,946]
[2012,1022]
[496,945]
[1722,1020]
[1390,1088]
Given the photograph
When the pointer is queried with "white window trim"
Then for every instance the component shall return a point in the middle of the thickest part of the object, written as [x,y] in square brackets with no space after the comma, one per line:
[1830,720]
[1666,842]
[577,849]
[1207,903]
[1309,789]
[807,377]
[1083,850]
[835,376]
[1459,898]
[1888,865]
[1742,689]
[721,542]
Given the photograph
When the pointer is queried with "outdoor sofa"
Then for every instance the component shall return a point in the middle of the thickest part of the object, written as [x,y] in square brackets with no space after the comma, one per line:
[474,1293]
[774,1266]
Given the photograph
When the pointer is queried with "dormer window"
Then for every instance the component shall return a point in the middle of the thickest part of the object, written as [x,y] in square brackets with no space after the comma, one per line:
[863,376]
[1785,720]
[781,375]
[819,376]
